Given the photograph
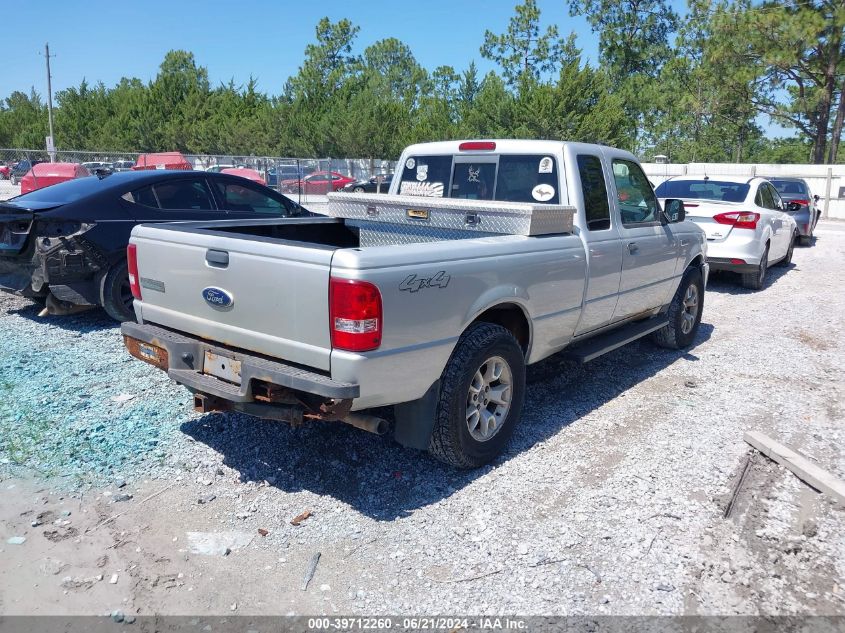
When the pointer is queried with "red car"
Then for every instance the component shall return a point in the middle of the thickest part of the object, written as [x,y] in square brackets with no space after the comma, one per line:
[46,174]
[244,172]
[318,182]
[5,170]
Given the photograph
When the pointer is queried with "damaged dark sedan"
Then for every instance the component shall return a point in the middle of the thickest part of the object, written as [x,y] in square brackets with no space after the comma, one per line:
[65,245]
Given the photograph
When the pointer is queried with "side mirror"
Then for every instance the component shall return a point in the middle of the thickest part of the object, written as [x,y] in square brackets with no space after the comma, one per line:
[816,197]
[673,211]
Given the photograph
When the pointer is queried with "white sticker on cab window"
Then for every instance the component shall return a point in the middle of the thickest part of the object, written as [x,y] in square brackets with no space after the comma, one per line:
[546,165]
[542,193]
[422,189]
[410,163]
[422,172]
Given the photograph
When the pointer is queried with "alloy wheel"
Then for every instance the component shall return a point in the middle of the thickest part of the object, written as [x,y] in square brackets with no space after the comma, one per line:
[690,309]
[489,398]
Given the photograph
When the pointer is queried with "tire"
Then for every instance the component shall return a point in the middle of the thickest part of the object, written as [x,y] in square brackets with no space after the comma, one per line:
[806,240]
[458,436]
[787,260]
[115,293]
[684,313]
[757,279]
[358,190]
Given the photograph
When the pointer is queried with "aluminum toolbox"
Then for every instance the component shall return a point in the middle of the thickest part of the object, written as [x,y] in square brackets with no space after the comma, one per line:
[481,216]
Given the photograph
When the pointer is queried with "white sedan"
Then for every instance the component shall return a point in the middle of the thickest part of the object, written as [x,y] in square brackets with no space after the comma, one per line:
[744,220]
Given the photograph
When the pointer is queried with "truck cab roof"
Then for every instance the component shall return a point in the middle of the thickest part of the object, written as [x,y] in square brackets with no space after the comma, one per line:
[505,146]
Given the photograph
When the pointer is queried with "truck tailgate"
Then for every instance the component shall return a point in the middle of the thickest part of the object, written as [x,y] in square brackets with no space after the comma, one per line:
[277,292]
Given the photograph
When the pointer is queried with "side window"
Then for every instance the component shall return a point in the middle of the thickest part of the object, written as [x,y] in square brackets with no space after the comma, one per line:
[758,197]
[776,201]
[637,203]
[766,197]
[238,197]
[183,194]
[596,205]
[144,196]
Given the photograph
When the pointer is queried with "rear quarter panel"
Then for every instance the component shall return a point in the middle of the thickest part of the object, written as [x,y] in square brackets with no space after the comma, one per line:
[432,292]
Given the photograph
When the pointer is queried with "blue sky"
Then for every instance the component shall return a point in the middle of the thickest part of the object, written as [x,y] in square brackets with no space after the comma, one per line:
[104,41]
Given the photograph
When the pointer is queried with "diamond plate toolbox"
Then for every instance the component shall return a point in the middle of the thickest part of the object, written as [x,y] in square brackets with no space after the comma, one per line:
[482,216]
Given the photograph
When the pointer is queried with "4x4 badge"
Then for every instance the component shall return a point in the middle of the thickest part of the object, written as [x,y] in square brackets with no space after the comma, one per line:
[412,283]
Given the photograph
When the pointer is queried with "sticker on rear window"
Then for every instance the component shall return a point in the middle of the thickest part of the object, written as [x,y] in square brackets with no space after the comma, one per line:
[422,172]
[423,189]
[410,163]
[541,193]
[546,165]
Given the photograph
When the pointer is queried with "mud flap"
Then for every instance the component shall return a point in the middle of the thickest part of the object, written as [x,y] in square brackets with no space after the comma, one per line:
[415,420]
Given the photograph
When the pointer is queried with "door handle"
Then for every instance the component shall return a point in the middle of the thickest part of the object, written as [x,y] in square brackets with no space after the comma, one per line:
[632,247]
[684,242]
[218,259]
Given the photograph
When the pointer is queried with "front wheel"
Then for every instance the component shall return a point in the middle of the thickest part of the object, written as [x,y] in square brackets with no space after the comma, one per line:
[358,190]
[481,396]
[684,313]
[116,293]
[787,259]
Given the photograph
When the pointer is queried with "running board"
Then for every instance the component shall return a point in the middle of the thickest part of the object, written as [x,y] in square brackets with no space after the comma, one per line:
[604,343]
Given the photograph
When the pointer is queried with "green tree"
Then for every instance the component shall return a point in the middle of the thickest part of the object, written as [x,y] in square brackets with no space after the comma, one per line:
[522,50]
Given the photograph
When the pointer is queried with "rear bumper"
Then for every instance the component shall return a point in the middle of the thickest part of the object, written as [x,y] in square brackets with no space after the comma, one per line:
[749,248]
[185,358]
[16,274]
[719,263]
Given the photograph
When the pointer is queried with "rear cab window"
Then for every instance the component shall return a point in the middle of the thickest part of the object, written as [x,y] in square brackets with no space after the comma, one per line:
[530,178]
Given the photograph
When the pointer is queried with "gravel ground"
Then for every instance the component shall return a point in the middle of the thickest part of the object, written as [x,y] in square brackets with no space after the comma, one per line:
[610,500]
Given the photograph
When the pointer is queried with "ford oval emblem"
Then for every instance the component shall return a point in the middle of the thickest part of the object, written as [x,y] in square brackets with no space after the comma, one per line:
[217,297]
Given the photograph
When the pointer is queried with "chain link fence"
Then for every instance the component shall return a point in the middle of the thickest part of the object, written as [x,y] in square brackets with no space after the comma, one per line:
[306,180]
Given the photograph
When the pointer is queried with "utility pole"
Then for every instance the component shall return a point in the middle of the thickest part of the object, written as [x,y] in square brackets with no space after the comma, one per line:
[51,145]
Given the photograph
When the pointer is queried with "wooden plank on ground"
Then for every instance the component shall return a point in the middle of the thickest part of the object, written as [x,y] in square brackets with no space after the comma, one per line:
[807,471]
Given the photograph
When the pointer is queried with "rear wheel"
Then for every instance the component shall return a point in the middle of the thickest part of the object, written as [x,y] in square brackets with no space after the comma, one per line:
[757,279]
[358,190]
[116,293]
[806,240]
[481,395]
[684,313]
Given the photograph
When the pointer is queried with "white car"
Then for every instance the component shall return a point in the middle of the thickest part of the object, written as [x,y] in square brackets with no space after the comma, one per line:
[744,220]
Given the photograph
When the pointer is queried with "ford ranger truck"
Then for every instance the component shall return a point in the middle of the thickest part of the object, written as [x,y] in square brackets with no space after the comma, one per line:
[485,256]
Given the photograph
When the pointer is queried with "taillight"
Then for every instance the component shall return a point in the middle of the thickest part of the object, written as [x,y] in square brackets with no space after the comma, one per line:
[132,262]
[355,312]
[476,145]
[738,219]
[800,201]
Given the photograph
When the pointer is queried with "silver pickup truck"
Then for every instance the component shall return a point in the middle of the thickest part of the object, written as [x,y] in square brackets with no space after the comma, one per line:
[486,256]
